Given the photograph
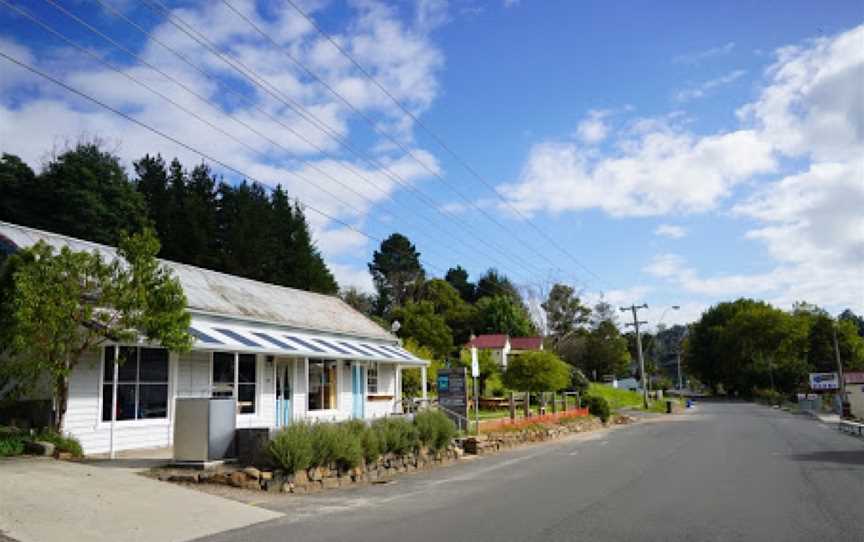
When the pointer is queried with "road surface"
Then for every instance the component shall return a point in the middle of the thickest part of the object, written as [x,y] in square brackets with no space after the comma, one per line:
[729,471]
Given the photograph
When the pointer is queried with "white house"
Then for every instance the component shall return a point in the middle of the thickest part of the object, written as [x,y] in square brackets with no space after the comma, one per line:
[284,354]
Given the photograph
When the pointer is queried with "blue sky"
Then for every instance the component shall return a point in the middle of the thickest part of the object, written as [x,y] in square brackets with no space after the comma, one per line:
[684,153]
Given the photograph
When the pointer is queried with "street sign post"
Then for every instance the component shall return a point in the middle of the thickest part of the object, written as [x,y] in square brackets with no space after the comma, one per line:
[475,373]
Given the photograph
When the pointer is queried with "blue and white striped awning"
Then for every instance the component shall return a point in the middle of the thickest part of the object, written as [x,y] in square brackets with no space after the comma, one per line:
[214,336]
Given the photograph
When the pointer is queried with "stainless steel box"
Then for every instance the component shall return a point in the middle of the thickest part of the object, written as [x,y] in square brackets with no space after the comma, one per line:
[204,429]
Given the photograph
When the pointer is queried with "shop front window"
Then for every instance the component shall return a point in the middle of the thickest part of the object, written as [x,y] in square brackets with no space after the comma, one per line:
[322,385]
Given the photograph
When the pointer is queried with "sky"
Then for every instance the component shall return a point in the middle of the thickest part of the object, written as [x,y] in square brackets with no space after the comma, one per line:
[679,153]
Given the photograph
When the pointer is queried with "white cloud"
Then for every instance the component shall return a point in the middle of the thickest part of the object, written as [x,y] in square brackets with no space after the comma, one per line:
[398,53]
[702,89]
[671,231]
[349,275]
[511,3]
[697,57]
[656,171]
[592,129]
[806,127]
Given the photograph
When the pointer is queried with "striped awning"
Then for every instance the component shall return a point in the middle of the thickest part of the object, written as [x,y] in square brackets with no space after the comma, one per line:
[214,336]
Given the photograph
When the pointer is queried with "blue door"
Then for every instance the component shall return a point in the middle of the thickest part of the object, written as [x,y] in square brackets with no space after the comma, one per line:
[358,389]
[283,393]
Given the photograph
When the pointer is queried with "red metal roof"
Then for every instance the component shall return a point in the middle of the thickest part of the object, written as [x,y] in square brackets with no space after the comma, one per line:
[526,343]
[488,341]
[854,378]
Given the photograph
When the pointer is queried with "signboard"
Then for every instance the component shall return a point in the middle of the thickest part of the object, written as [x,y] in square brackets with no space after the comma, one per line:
[824,381]
[453,391]
[475,363]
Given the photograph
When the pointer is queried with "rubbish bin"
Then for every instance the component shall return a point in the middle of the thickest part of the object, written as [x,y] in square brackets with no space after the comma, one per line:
[668,407]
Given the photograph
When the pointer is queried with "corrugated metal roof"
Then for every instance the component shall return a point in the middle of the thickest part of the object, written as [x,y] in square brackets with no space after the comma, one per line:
[488,341]
[220,294]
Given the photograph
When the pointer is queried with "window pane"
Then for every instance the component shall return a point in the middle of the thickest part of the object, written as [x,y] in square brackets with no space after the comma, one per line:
[108,373]
[316,370]
[152,401]
[223,368]
[154,365]
[372,378]
[246,398]
[125,402]
[128,364]
[246,369]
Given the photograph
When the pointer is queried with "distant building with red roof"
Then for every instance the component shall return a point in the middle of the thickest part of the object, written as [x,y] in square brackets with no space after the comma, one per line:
[501,345]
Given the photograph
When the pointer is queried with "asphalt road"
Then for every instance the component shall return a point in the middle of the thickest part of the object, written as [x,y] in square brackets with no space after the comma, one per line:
[729,471]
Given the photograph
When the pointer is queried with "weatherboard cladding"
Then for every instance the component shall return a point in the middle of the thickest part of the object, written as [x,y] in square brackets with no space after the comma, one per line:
[228,296]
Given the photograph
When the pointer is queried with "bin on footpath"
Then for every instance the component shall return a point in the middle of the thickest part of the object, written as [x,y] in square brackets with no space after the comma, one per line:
[668,407]
[689,403]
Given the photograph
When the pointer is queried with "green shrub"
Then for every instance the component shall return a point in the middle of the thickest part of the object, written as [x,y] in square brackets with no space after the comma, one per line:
[11,445]
[598,406]
[396,435]
[434,429]
[336,443]
[371,443]
[292,448]
[62,443]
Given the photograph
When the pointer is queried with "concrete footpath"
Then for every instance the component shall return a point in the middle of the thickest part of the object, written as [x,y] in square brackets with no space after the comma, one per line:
[43,500]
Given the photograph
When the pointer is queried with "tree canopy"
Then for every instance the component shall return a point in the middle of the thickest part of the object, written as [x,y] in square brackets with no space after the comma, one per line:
[537,372]
[55,306]
[564,311]
[396,272]
[201,220]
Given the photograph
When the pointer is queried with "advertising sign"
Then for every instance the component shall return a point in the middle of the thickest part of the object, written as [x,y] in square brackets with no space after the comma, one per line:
[824,381]
[452,390]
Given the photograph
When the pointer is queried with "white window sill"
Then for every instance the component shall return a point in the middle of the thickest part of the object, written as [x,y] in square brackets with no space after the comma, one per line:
[153,422]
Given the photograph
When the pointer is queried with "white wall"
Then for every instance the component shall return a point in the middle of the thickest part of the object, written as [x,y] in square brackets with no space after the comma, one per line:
[84,413]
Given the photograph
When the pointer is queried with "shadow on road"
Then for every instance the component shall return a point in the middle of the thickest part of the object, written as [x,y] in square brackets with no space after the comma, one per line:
[854,457]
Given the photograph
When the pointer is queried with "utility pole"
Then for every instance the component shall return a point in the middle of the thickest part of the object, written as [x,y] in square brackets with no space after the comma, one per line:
[839,370]
[635,324]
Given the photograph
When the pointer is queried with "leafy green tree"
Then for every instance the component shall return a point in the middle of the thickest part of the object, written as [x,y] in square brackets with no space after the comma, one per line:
[494,284]
[420,322]
[500,314]
[54,307]
[537,372]
[745,344]
[459,315]
[23,199]
[856,320]
[564,311]
[606,352]
[83,192]
[396,272]
[458,278]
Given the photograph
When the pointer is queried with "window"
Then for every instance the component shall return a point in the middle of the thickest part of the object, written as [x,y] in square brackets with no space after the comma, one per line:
[372,378]
[322,385]
[142,383]
[235,372]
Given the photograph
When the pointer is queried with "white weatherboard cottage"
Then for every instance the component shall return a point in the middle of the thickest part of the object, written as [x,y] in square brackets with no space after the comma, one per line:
[284,354]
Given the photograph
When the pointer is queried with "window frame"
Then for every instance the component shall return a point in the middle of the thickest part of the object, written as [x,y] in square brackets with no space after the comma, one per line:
[334,385]
[235,385]
[101,384]
[373,367]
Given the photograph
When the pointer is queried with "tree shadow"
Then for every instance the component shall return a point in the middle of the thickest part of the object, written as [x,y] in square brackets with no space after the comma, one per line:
[850,457]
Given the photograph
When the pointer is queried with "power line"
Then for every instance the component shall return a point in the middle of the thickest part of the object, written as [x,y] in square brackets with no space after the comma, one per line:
[200,98]
[264,84]
[392,139]
[433,135]
[182,144]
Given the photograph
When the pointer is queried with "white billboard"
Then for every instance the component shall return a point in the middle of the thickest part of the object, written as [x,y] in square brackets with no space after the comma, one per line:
[824,381]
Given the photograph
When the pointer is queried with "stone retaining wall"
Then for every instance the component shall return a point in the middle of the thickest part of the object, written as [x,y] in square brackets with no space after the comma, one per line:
[386,468]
